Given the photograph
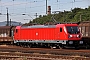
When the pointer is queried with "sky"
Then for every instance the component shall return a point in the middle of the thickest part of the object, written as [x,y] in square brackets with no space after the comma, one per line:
[16,8]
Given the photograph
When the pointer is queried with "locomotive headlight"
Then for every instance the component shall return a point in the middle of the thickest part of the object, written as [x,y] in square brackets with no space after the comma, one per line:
[70,42]
[69,36]
[81,42]
[77,35]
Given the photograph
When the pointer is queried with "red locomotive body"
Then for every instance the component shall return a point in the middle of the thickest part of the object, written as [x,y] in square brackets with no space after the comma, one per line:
[60,34]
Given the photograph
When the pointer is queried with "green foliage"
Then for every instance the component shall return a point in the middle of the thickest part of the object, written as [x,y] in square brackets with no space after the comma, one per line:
[67,16]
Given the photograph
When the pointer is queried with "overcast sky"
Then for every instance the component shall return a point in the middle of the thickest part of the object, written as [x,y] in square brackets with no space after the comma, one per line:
[30,7]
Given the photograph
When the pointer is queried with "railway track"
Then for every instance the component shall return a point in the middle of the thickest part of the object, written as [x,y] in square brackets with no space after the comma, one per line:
[10,52]
[37,56]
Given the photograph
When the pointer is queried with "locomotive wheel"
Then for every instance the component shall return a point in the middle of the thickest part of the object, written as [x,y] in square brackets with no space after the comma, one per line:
[29,46]
[17,44]
[63,46]
[11,43]
[60,47]
[52,47]
[20,45]
[77,48]
[25,45]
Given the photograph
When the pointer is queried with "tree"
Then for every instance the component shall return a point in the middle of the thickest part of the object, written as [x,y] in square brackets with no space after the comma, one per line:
[66,16]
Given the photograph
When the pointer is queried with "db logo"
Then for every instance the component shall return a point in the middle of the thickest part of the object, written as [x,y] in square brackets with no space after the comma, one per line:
[75,36]
[36,33]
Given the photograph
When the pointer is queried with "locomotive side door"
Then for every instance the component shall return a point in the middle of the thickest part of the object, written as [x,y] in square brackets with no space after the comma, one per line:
[58,33]
[60,30]
[16,34]
[61,33]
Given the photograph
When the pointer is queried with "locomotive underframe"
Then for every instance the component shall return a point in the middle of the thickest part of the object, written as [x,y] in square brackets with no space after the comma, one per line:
[49,43]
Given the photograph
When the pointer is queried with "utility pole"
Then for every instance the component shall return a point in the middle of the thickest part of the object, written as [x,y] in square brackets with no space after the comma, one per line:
[7,17]
[46,6]
[36,16]
[10,22]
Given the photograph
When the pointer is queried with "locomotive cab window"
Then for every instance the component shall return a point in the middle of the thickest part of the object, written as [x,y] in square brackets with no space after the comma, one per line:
[73,29]
[60,29]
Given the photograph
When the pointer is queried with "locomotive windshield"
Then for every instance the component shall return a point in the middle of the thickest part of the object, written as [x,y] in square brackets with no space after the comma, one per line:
[72,29]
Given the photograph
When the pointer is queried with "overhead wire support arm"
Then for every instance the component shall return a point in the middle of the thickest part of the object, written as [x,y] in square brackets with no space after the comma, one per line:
[53,19]
[28,15]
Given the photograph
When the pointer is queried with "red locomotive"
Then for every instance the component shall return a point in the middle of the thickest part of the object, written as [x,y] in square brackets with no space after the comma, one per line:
[59,35]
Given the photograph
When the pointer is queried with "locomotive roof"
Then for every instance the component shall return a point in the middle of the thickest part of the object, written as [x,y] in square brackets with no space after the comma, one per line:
[45,26]
[39,26]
